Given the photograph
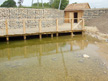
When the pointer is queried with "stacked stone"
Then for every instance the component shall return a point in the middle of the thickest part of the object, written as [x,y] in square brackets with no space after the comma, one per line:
[14,24]
[13,13]
[94,13]
[39,13]
[32,24]
[2,25]
[31,14]
[22,13]
[49,23]
[4,13]
[17,15]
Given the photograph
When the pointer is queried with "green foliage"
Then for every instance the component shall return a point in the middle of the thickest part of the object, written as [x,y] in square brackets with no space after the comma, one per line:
[53,4]
[20,2]
[46,5]
[64,3]
[9,3]
[75,3]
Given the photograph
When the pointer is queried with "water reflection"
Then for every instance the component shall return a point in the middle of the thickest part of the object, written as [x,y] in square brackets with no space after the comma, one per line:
[57,59]
[42,48]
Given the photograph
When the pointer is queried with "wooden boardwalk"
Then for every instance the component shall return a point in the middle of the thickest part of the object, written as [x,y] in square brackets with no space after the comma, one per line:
[26,31]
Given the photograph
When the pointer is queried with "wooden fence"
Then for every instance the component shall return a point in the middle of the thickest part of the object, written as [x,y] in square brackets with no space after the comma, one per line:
[25,27]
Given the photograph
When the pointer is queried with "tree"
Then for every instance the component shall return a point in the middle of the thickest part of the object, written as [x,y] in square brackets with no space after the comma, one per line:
[64,3]
[37,3]
[20,2]
[60,4]
[32,3]
[9,3]
[42,3]
[51,2]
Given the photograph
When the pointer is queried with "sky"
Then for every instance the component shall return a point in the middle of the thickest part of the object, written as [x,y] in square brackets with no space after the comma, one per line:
[93,3]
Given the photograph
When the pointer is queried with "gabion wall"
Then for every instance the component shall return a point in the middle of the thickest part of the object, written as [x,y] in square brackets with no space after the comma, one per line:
[94,13]
[29,13]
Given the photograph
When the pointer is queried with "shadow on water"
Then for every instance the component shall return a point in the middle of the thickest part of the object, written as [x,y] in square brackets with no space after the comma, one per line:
[54,59]
[19,38]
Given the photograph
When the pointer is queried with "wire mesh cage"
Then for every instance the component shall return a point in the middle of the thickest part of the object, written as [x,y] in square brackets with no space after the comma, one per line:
[31,25]
[15,26]
[2,27]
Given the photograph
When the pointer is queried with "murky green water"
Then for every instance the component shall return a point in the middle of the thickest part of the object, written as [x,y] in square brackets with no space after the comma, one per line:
[57,59]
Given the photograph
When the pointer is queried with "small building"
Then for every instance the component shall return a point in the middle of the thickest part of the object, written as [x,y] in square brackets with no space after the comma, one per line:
[75,11]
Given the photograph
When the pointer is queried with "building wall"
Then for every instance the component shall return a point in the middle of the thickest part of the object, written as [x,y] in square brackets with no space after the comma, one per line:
[29,13]
[70,14]
[94,13]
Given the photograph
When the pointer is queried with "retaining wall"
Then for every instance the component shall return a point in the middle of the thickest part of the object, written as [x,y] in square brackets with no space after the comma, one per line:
[29,13]
[94,13]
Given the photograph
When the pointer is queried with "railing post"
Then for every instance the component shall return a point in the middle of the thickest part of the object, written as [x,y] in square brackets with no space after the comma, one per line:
[51,35]
[40,25]
[72,27]
[71,24]
[57,27]
[24,29]
[40,36]
[83,27]
[6,24]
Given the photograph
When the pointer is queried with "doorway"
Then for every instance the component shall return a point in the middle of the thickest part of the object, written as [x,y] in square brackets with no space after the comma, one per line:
[75,16]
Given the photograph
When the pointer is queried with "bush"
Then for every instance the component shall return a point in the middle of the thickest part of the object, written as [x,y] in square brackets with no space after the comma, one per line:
[9,3]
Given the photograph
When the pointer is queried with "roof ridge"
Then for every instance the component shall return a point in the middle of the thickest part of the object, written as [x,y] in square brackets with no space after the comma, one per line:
[78,6]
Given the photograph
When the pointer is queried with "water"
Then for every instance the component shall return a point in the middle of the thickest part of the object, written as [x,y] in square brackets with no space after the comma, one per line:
[57,59]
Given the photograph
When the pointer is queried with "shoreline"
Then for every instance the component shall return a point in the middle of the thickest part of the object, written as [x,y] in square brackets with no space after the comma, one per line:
[94,32]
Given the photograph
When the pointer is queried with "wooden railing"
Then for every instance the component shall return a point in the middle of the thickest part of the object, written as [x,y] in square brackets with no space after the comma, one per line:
[56,28]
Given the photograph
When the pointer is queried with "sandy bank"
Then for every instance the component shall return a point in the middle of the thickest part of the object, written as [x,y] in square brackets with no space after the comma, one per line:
[94,32]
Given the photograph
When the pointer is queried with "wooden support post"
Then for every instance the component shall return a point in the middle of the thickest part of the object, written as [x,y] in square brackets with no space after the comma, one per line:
[7,38]
[24,37]
[6,24]
[24,29]
[57,27]
[57,34]
[71,34]
[40,36]
[72,27]
[51,35]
